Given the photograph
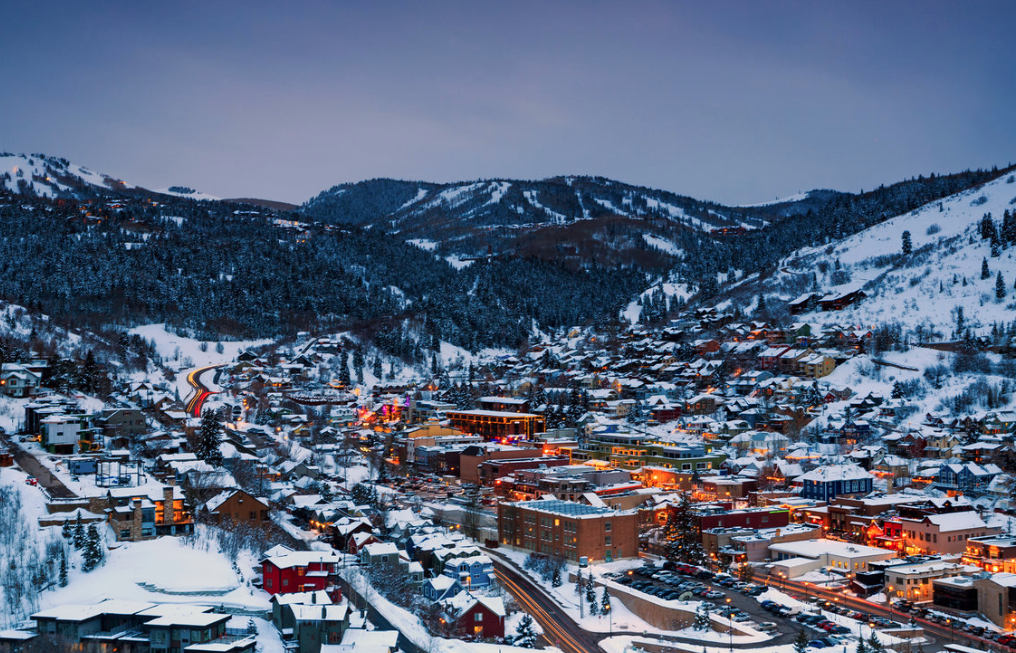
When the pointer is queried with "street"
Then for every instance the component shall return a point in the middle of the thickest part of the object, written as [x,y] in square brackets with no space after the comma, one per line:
[201,392]
[558,627]
[31,466]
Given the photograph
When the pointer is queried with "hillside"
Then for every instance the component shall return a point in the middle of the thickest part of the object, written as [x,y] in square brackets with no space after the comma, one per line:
[939,286]
[52,177]
[579,218]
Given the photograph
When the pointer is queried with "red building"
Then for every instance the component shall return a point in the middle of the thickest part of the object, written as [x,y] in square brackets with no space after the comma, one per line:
[285,571]
[474,617]
[751,518]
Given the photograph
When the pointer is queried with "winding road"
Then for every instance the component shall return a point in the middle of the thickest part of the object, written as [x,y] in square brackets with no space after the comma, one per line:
[201,391]
[558,627]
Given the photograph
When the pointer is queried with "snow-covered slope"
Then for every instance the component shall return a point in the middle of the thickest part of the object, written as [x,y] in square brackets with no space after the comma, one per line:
[52,177]
[941,275]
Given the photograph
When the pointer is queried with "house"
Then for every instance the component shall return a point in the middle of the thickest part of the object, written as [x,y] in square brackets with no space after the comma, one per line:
[315,625]
[136,516]
[236,507]
[382,553]
[359,640]
[474,617]
[829,481]
[284,571]
[283,619]
[476,571]
[441,587]
[17,380]
[837,301]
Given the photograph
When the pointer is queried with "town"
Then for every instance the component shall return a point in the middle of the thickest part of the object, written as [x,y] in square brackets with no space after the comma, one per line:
[744,484]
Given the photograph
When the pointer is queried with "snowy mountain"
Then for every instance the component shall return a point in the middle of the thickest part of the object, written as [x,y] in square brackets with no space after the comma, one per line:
[941,282]
[584,217]
[53,177]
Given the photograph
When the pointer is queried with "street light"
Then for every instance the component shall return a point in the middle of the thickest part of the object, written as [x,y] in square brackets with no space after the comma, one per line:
[730,628]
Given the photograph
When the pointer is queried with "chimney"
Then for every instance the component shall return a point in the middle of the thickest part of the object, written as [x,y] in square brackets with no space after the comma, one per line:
[167,505]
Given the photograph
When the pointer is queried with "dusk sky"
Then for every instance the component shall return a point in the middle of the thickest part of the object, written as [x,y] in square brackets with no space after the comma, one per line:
[731,101]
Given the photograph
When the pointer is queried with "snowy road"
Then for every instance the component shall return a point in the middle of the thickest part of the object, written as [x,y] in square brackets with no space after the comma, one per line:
[201,391]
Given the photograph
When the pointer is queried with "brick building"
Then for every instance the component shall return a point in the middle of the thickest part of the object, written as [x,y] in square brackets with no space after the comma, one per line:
[495,425]
[568,529]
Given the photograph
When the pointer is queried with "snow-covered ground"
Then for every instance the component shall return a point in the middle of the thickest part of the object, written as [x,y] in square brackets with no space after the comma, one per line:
[166,570]
[926,287]
[179,352]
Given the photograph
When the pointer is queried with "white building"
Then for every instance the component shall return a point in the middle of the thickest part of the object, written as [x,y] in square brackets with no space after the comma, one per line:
[793,559]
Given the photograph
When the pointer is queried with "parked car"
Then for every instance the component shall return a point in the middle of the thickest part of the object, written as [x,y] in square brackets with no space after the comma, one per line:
[31,480]
[713,594]
[767,626]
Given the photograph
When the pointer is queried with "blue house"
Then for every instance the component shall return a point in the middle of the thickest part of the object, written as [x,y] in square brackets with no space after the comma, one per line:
[472,572]
[967,477]
[830,481]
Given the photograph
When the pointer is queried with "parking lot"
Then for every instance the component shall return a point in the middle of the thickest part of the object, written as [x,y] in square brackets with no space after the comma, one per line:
[737,600]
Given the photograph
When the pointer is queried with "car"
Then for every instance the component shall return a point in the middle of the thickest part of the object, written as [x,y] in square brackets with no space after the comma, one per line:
[713,594]
[817,643]
[839,630]
[767,626]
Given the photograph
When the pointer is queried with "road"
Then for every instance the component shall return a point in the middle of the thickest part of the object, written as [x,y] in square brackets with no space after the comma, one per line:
[558,627]
[944,634]
[31,466]
[201,391]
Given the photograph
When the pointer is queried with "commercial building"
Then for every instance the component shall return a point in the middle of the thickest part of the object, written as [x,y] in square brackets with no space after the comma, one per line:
[496,425]
[944,533]
[568,529]
[793,559]
[915,582]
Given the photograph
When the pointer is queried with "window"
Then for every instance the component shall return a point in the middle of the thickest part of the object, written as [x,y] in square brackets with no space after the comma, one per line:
[606,526]
[606,541]
[285,582]
[478,616]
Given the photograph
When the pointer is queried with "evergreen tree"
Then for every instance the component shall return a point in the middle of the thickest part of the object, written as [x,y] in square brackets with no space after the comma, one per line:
[908,245]
[66,531]
[209,438]
[79,533]
[897,390]
[377,367]
[62,580]
[93,549]
[555,578]
[605,602]
[874,645]
[702,621]
[861,648]
[801,642]
[344,369]
[579,584]
[525,634]
[985,272]
[591,595]
[999,286]
[684,541]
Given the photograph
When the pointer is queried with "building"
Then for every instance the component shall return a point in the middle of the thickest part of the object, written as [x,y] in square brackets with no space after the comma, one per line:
[473,456]
[993,553]
[472,616]
[61,433]
[16,380]
[568,529]
[915,582]
[634,451]
[237,507]
[793,559]
[498,425]
[943,533]
[284,570]
[136,516]
[119,625]
[830,481]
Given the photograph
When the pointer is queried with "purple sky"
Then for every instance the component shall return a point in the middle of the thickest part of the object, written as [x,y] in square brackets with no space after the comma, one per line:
[731,101]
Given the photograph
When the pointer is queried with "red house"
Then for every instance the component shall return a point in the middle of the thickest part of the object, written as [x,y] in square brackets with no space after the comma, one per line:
[474,617]
[285,571]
